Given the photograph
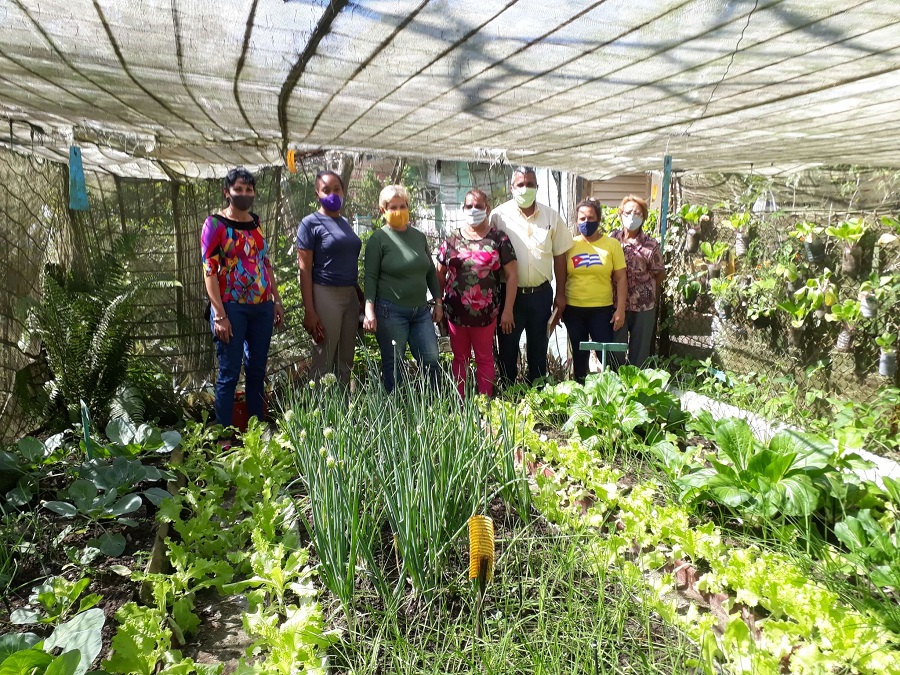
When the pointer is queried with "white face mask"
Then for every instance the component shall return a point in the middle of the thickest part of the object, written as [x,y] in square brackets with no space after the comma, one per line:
[474,216]
[633,223]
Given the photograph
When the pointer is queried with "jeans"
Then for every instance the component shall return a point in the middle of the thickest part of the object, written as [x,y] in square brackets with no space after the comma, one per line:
[531,313]
[463,341]
[398,325]
[588,323]
[638,333]
[251,327]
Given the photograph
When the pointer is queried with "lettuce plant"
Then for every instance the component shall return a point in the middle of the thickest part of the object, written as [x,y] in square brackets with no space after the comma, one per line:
[756,480]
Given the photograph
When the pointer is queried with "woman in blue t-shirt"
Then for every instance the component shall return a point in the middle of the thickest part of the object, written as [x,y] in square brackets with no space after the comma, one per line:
[328,254]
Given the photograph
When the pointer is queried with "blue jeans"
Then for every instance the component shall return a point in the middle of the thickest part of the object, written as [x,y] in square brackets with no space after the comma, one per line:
[588,323]
[251,327]
[398,325]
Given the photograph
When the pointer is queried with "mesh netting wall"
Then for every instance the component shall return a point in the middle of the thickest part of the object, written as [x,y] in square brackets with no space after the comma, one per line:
[736,320]
[32,208]
[164,218]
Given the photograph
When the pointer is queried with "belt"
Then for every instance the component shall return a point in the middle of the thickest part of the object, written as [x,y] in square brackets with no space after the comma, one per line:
[528,290]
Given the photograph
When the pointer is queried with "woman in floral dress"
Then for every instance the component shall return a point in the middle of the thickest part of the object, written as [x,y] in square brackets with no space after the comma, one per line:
[469,272]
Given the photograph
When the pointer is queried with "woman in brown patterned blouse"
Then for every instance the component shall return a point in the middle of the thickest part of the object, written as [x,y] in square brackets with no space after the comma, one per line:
[645,271]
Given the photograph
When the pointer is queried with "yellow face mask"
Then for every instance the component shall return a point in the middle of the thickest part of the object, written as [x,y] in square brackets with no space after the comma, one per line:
[399,218]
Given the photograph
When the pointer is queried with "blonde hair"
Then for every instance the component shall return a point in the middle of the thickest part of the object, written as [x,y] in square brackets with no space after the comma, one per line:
[391,191]
[637,200]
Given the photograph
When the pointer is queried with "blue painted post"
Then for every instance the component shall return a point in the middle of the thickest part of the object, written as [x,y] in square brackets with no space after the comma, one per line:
[664,205]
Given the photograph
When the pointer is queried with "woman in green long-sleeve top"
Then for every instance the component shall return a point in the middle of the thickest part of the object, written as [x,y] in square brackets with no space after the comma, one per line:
[399,271]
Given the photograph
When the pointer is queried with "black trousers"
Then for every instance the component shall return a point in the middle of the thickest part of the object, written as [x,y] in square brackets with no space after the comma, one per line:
[588,323]
[531,314]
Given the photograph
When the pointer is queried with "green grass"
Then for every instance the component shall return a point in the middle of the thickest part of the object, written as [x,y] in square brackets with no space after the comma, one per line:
[544,614]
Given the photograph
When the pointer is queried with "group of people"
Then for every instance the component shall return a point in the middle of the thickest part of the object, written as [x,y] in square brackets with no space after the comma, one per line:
[492,279]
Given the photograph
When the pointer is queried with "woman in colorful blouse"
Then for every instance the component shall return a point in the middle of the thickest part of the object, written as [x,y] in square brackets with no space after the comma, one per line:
[469,265]
[399,273]
[328,255]
[646,272]
[595,263]
[243,295]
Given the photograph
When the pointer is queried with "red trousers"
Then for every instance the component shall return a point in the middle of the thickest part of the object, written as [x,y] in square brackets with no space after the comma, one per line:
[463,341]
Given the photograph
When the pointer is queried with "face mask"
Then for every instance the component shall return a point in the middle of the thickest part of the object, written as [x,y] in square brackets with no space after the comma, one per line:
[588,227]
[633,223]
[397,218]
[524,196]
[242,202]
[331,202]
[474,216]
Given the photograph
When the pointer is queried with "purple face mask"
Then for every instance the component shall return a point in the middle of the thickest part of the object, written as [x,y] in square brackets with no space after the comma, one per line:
[331,202]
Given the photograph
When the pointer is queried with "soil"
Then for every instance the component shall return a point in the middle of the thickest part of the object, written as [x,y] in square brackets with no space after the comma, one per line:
[221,638]
[49,557]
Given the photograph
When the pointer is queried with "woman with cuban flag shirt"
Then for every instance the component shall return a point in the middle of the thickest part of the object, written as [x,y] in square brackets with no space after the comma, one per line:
[595,262]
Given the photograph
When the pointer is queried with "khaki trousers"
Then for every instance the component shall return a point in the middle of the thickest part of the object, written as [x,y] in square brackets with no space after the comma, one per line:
[338,309]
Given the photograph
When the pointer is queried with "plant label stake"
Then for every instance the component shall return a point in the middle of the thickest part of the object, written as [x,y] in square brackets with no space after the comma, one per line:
[481,561]
[86,428]
[603,348]
[78,197]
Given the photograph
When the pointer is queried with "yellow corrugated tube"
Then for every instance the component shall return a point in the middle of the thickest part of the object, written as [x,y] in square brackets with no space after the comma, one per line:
[481,548]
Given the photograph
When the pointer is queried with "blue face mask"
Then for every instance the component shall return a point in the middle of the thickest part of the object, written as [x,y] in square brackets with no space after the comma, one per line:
[588,227]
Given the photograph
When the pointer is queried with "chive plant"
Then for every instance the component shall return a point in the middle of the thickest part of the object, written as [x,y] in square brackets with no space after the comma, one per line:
[509,433]
[334,464]
[420,459]
[433,463]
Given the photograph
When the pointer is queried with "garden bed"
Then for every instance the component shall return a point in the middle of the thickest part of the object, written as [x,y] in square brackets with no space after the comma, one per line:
[317,549]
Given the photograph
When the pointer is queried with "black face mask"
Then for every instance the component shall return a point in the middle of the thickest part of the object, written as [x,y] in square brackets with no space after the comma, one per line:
[242,202]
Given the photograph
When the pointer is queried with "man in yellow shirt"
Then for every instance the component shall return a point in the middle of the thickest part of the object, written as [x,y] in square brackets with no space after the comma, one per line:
[541,240]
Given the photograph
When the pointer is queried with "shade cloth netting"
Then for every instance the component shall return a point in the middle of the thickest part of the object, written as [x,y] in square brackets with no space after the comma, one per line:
[597,88]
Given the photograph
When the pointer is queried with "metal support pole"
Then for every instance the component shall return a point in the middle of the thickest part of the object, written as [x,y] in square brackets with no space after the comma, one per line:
[664,205]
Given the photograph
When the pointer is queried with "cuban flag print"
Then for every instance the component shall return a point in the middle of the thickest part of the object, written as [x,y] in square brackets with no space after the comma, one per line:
[586,260]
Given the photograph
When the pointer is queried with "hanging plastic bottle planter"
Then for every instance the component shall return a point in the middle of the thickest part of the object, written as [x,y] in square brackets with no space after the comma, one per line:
[740,244]
[851,258]
[844,340]
[795,337]
[868,305]
[815,251]
[692,240]
[887,364]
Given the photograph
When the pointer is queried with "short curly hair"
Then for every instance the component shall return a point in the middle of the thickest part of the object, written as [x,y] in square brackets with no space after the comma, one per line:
[391,191]
[594,204]
[640,201]
[239,173]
